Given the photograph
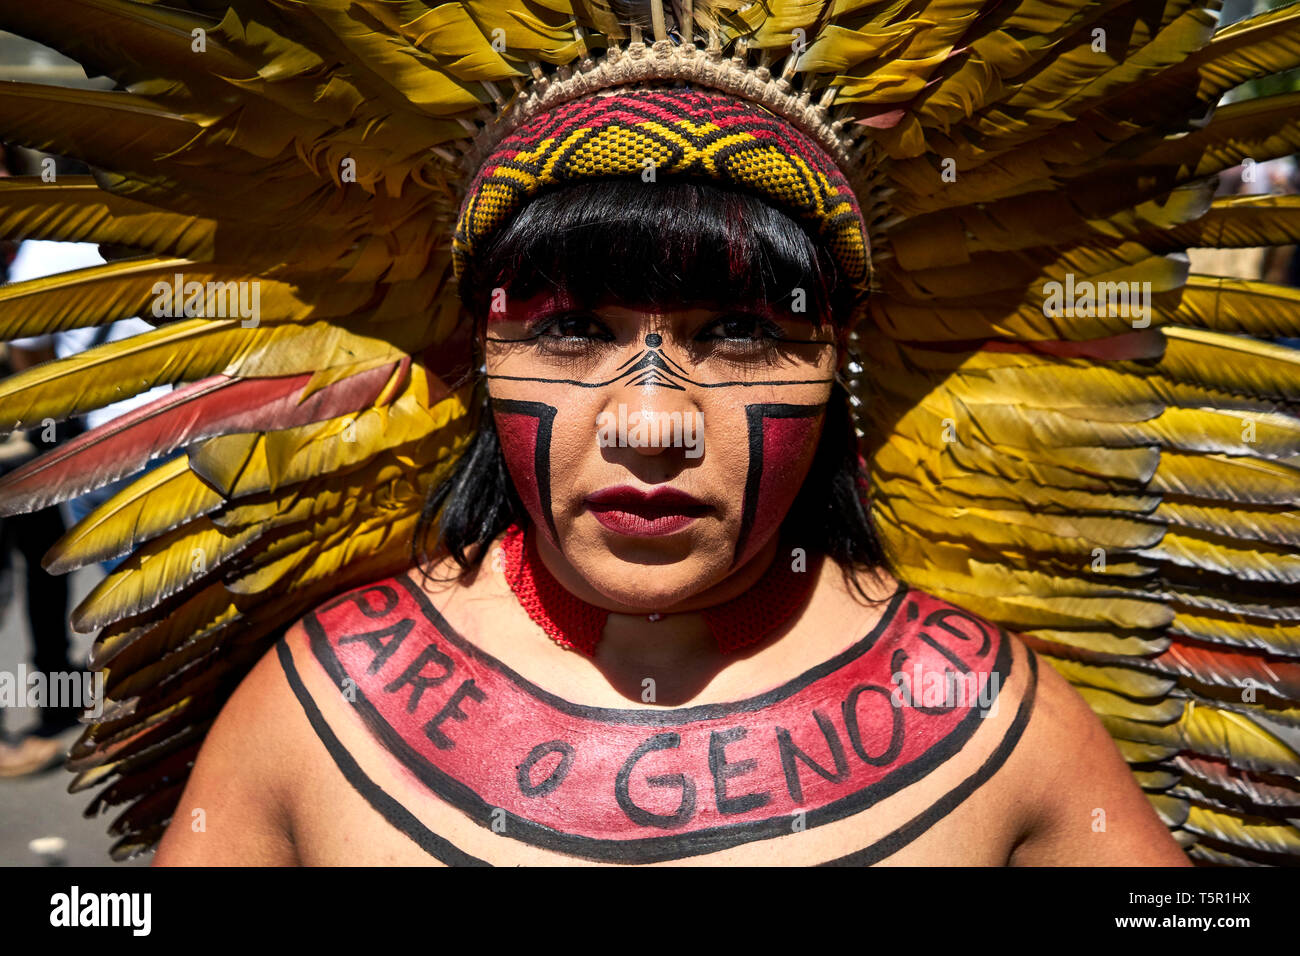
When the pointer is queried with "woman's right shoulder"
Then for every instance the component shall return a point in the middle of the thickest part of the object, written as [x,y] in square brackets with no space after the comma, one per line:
[338,640]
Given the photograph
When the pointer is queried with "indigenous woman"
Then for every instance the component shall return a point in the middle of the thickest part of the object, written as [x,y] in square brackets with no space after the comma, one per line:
[635,648]
[638,433]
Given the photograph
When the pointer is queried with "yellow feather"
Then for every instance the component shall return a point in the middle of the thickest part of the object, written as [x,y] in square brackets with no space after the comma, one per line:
[1116,680]
[1264,835]
[77,210]
[159,500]
[1213,733]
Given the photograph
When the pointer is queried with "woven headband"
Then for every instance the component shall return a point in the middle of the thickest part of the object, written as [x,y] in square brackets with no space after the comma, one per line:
[683,132]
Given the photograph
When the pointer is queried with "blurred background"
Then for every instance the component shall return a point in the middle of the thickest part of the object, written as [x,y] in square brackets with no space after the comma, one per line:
[40,823]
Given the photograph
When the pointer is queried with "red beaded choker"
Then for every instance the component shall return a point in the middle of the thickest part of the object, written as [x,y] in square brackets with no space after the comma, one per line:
[573,623]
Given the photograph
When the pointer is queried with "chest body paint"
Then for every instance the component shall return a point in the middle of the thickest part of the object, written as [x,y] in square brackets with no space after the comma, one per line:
[632,785]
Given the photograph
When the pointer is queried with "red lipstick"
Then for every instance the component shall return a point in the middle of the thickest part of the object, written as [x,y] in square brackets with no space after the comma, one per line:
[631,511]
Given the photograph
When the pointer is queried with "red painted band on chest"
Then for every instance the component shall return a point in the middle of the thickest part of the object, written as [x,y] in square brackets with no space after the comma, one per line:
[633,784]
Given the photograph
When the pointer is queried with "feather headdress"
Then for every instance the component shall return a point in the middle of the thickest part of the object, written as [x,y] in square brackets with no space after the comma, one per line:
[1119,438]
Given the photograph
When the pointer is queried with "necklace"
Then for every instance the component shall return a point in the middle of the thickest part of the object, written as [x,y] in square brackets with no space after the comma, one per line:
[574,624]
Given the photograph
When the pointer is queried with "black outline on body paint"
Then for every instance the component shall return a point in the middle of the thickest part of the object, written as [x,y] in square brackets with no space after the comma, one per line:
[754,416]
[698,842]
[901,836]
[441,849]
[545,415]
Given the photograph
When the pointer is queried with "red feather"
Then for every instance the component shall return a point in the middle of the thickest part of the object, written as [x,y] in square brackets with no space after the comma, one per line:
[218,405]
[1243,783]
[1231,668]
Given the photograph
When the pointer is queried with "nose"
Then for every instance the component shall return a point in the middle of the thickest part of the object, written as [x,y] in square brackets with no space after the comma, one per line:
[652,416]
[665,419]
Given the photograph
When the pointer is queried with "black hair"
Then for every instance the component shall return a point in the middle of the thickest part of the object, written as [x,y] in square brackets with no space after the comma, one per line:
[678,243]
[673,244]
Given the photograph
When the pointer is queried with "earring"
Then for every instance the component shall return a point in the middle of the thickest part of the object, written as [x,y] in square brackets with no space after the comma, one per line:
[851,381]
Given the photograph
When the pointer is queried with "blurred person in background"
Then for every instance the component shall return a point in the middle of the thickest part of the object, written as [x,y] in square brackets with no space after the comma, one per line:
[1277,264]
[34,534]
[31,535]
[46,598]
[76,255]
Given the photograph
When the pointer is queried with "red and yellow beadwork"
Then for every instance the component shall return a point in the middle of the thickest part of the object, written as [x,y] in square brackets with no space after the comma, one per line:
[677,132]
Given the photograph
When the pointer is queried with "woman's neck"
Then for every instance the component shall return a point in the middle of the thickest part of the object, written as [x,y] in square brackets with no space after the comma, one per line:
[730,587]
[649,653]
[632,641]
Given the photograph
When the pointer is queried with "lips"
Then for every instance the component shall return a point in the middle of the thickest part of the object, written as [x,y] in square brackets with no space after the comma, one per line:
[631,511]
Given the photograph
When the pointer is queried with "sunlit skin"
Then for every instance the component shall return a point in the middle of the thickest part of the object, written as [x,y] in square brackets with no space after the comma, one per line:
[696,566]
[292,772]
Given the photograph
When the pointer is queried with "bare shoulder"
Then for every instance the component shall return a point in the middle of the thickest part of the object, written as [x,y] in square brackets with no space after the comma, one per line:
[1060,786]
[232,810]
[1083,805]
[259,755]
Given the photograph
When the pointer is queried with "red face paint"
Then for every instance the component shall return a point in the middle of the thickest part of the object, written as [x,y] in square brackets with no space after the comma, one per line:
[640,785]
[573,623]
[524,430]
[781,443]
[501,308]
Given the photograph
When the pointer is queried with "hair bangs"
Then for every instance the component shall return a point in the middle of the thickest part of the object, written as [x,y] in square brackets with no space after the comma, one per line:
[668,245]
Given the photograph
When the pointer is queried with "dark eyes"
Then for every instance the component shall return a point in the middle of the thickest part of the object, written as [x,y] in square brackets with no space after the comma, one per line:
[735,327]
[573,327]
[740,326]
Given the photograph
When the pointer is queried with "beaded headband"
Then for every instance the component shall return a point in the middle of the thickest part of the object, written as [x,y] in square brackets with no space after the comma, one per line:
[677,131]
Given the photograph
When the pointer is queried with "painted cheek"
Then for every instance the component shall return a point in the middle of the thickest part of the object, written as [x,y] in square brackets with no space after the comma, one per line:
[782,440]
[524,430]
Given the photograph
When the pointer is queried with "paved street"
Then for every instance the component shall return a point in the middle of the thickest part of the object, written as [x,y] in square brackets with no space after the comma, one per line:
[40,808]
